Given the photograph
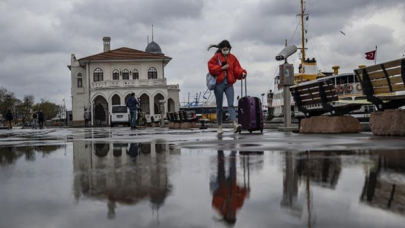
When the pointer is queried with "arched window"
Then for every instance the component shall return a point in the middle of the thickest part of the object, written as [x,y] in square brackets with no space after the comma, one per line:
[152,73]
[98,75]
[135,74]
[125,74]
[79,80]
[116,75]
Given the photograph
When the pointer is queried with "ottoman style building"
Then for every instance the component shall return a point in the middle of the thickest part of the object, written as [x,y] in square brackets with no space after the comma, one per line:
[102,80]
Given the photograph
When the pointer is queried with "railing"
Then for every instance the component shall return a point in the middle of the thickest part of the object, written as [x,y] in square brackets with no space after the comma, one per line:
[128,83]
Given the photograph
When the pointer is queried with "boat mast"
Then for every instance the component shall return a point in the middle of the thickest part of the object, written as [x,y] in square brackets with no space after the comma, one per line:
[302,36]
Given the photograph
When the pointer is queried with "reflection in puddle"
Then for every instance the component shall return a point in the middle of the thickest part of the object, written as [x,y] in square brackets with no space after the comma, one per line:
[157,184]
[124,173]
[9,155]
[229,196]
[384,184]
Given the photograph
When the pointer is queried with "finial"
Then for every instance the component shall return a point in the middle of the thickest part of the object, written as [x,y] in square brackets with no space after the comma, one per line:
[152,33]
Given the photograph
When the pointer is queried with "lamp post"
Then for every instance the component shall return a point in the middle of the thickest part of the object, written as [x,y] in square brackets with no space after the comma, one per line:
[262,97]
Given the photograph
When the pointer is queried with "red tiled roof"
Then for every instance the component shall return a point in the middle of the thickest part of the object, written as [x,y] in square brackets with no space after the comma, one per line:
[124,54]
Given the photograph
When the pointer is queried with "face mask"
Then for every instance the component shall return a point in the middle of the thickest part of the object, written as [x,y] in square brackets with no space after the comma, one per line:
[225,52]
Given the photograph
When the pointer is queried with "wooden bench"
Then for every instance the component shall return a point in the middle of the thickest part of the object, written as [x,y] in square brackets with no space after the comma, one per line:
[384,84]
[174,117]
[189,116]
[318,97]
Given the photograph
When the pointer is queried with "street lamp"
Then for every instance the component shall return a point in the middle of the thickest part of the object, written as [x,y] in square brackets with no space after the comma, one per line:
[262,97]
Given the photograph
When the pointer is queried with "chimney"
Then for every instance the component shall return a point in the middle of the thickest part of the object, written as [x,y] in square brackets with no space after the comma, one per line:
[335,70]
[106,41]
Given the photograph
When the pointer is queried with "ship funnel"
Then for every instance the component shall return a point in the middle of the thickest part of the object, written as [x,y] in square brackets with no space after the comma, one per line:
[336,70]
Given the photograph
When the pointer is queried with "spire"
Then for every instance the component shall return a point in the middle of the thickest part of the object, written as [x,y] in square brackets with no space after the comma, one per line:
[152,33]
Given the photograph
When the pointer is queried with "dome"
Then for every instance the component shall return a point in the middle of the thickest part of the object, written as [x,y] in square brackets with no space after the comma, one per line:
[154,48]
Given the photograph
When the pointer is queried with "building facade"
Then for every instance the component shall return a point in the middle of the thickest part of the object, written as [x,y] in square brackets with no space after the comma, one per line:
[108,78]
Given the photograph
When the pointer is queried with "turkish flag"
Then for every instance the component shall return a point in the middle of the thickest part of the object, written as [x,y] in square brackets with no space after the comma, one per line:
[370,55]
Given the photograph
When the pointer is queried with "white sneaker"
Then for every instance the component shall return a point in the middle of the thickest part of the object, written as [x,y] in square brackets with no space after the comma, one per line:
[220,131]
[237,127]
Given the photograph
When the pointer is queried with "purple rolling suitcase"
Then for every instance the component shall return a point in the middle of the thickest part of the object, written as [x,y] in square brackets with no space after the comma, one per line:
[250,113]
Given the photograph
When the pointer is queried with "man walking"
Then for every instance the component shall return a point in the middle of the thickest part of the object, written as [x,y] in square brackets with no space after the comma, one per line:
[9,119]
[132,103]
[86,117]
[41,119]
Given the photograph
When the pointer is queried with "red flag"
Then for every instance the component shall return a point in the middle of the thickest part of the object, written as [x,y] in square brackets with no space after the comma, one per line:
[370,55]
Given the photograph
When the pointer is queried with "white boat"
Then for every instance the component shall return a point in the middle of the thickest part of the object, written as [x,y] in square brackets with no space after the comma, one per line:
[347,85]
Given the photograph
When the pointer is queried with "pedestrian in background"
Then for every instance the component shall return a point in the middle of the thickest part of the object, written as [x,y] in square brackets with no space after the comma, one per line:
[35,120]
[41,119]
[132,104]
[9,119]
[86,117]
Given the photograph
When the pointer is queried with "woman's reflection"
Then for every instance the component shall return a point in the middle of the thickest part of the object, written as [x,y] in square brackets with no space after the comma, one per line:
[228,197]
[133,150]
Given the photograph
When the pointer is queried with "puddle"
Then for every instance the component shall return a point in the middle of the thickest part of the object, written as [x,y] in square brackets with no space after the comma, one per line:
[96,184]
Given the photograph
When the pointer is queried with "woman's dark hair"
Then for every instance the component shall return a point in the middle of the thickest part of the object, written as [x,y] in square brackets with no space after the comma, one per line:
[221,45]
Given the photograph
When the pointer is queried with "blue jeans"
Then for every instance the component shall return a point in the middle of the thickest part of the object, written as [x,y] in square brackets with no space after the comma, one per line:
[219,91]
[35,124]
[132,120]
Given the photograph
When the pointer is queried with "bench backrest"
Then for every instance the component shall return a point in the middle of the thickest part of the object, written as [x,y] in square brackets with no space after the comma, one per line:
[173,117]
[182,115]
[314,92]
[384,78]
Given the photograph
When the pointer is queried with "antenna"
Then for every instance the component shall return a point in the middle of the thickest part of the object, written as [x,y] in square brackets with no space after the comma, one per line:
[302,32]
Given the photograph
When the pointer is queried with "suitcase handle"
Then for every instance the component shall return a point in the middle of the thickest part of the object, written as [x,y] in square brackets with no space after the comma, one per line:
[241,88]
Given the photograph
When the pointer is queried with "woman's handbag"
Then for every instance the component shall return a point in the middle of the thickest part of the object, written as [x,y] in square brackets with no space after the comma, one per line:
[211,80]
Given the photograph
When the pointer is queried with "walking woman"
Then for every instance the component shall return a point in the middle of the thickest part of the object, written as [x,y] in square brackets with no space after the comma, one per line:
[226,68]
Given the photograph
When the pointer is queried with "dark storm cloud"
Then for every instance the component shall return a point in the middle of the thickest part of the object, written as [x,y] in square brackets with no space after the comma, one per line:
[97,17]
[327,8]
[270,22]
[37,37]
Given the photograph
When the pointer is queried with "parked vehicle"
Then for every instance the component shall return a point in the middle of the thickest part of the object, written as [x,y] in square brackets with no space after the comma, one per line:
[119,115]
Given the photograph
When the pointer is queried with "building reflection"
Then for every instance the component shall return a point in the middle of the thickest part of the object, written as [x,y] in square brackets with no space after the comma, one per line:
[290,186]
[384,185]
[321,168]
[121,173]
[228,195]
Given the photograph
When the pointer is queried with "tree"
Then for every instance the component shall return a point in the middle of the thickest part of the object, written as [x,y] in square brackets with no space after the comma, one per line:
[27,104]
[49,109]
[7,100]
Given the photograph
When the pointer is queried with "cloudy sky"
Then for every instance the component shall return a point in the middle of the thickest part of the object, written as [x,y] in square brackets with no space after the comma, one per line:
[37,37]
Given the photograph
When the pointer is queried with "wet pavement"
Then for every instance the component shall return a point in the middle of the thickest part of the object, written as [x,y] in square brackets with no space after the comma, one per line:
[106,177]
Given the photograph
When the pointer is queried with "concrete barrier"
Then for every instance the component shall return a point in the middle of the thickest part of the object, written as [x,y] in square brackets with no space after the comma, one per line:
[330,125]
[388,123]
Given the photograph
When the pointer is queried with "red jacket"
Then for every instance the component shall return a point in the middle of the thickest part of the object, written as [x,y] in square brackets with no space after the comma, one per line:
[234,71]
